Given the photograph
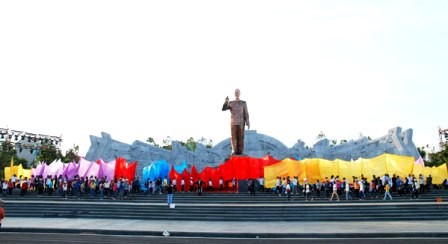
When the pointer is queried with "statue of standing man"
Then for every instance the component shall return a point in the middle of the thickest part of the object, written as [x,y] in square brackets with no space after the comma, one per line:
[239,117]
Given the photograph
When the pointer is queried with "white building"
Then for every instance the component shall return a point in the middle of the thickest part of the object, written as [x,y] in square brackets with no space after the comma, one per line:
[28,144]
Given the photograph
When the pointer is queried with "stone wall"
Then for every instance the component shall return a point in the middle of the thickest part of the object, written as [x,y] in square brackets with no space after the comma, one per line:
[255,145]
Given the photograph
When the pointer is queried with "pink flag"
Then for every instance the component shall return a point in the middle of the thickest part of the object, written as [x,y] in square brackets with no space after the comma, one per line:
[71,170]
[83,167]
[107,169]
[420,161]
[40,167]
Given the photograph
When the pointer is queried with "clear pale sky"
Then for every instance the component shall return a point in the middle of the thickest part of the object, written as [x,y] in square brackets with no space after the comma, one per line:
[139,69]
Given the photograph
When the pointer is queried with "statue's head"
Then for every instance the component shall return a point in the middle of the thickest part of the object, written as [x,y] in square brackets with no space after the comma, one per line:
[237,93]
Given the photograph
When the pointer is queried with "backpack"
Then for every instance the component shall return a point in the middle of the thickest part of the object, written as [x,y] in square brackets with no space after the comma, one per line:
[24,186]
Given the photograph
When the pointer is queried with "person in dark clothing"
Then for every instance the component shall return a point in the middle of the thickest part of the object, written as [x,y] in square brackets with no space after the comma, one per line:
[199,183]
[251,185]
[429,183]
[169,192]
[158,185]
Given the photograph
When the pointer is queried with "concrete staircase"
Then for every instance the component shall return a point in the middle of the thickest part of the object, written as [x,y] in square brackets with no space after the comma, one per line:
[230,207]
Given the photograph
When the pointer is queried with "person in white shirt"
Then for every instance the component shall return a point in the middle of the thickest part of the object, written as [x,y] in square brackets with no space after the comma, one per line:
[174,183]
[288,191]
[261,182]
[210,185]
[384,179]
[182,185]
[307,190]
[221,184]
[294,185]
[14,179]
[347,189]
[410,182]
[415,189]
[421,181]
[64,187]
[4,188]
[106,187]
[335,192]
[278,186]
[362,195]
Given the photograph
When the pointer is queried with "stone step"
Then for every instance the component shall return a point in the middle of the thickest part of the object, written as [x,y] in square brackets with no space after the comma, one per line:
[230,207]
[224,197]
[310,212]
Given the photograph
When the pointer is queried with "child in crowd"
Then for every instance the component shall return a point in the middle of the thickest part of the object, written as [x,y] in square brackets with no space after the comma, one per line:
[387,191]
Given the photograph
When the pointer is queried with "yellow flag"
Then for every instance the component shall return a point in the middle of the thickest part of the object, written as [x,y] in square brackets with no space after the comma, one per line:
[12,162]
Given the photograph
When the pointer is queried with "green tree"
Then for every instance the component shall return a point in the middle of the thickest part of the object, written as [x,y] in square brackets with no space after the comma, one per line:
[18,160]
[8,152]
[190,144]
[438,158]
[167,143]
[422,152]
[151,141]
[48,153]
[71,155]
[320,136]
[333,143]
[207,143]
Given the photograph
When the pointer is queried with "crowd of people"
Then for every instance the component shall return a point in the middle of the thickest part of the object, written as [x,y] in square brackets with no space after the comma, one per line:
[331,188]
[361,188]
[117,188]
[159,185]
[79,187]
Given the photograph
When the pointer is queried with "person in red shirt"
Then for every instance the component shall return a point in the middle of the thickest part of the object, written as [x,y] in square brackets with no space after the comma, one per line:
[24,187]
[10,187]
[2,213]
